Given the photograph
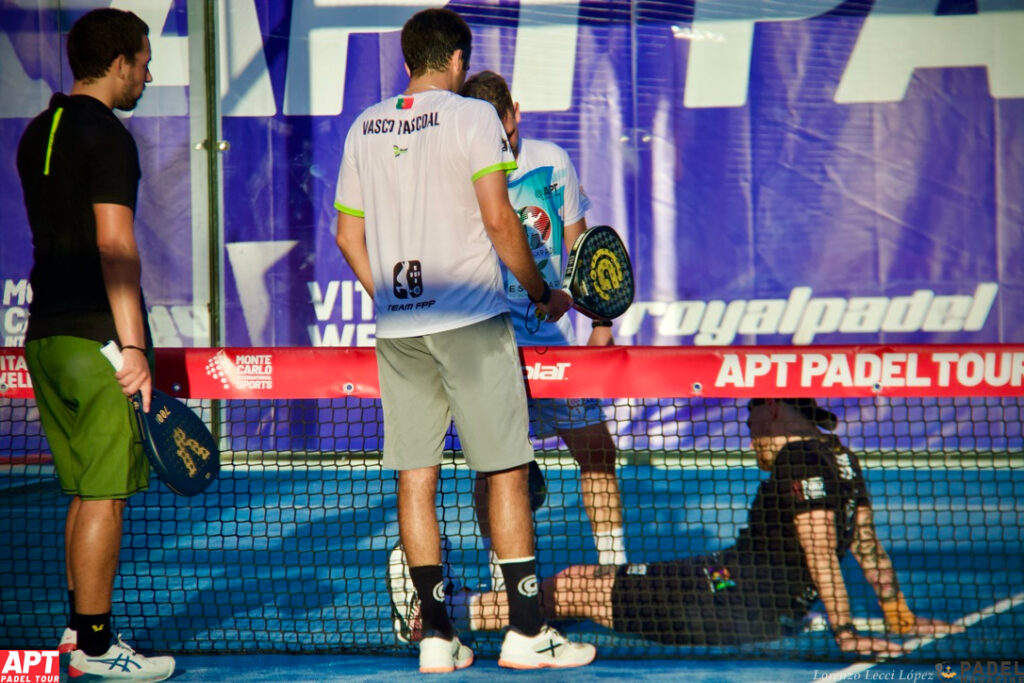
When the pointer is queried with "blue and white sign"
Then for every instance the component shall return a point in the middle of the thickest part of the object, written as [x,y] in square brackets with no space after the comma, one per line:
[783,173]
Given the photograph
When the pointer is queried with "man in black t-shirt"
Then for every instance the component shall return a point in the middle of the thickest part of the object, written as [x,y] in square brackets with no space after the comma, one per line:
[79,170]
[810,511]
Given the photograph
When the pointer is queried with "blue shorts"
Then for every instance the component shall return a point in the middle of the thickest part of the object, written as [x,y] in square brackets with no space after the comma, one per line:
[548,416]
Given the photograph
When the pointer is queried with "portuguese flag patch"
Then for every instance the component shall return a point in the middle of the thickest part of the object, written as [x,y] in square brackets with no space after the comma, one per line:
[404,103]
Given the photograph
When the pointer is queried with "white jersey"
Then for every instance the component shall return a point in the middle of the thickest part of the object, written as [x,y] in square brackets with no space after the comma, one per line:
[408,169]
[546,193]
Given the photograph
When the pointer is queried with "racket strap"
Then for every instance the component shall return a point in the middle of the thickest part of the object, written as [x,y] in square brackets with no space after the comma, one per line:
[545,296]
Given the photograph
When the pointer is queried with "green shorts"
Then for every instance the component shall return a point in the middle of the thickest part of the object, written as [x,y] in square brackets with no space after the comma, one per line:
[88,420]
[472,375]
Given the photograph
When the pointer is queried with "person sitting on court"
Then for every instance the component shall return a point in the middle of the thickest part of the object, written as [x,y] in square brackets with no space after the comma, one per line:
[549,199]
[811,510]
[79,169]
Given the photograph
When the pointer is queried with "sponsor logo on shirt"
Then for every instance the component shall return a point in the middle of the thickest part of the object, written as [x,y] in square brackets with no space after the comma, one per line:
[809,489]
[537,222]
[845,467]
[548,191]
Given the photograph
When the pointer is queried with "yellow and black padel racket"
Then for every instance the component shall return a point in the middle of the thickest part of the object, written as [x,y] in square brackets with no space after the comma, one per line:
[599,274]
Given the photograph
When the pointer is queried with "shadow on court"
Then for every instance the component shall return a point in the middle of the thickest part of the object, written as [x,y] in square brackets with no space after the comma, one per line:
[291,561]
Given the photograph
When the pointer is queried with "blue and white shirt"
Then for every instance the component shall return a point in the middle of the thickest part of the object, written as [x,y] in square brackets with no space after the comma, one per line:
[546,193]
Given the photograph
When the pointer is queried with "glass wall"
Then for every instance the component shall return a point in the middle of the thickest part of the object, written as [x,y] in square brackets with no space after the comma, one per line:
[790,177]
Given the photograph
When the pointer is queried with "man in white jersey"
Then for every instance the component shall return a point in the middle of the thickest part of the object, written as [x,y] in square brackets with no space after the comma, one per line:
[423,220]
[546,194]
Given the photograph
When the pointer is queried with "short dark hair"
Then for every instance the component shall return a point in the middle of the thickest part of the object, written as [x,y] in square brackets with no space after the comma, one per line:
[101,36]
[431,36]
[490,87]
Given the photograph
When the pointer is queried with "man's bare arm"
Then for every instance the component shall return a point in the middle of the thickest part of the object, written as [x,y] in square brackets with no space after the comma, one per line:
[816,532]
[351,239]
[122,272]
[879,572]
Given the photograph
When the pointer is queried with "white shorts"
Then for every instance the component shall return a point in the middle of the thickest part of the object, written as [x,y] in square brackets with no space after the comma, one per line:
[472,375]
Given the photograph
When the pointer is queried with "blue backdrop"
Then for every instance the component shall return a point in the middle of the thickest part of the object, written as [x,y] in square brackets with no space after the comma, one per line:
[783,173]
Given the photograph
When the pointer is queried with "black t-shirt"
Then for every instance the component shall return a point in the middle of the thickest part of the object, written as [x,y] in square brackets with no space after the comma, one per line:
[73,155]
[760,588]
[807,475]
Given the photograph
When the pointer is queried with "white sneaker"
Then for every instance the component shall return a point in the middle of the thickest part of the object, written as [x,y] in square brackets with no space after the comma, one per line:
[549,649]
[119,663]
[405,604]
[440,656]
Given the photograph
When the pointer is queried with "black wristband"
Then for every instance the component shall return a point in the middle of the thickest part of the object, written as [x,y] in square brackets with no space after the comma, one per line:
[601,323]
[545,296]
[844,628]
[130,346]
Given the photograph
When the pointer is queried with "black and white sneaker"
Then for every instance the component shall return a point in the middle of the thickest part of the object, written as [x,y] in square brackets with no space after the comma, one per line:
[405,604]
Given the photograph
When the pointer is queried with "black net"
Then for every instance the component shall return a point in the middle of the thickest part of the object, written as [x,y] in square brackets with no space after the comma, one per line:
[288,550]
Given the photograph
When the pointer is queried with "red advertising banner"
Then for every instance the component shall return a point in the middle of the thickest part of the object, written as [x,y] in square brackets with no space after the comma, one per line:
[608,372]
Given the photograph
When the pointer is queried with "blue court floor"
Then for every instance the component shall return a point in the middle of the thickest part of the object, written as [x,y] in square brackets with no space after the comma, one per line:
[292,560]
[323,668]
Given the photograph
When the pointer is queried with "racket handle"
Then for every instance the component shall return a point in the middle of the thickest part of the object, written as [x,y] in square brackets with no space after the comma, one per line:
[112,353]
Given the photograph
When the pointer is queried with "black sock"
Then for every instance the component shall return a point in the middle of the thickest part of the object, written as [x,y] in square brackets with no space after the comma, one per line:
[524,610]
[71,611]
[94,633]
[429,584]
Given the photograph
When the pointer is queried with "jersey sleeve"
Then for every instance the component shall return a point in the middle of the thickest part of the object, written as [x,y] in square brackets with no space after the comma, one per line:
[846,457]
[348,197]
[805,479]
[487,147]
[114,170]
[575,202]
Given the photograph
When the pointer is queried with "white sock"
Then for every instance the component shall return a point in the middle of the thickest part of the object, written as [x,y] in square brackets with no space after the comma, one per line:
[497,578]
[611,547]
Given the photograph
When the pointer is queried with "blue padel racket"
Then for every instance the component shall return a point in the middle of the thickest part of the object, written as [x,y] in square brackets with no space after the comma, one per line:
[599,274]
[179,446]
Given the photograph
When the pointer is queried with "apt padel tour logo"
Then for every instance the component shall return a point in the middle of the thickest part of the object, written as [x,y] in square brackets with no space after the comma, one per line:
[241,370]
[29,666]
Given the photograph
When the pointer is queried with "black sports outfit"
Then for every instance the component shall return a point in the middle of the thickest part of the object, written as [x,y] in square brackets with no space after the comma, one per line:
[75,154]
[760,588]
